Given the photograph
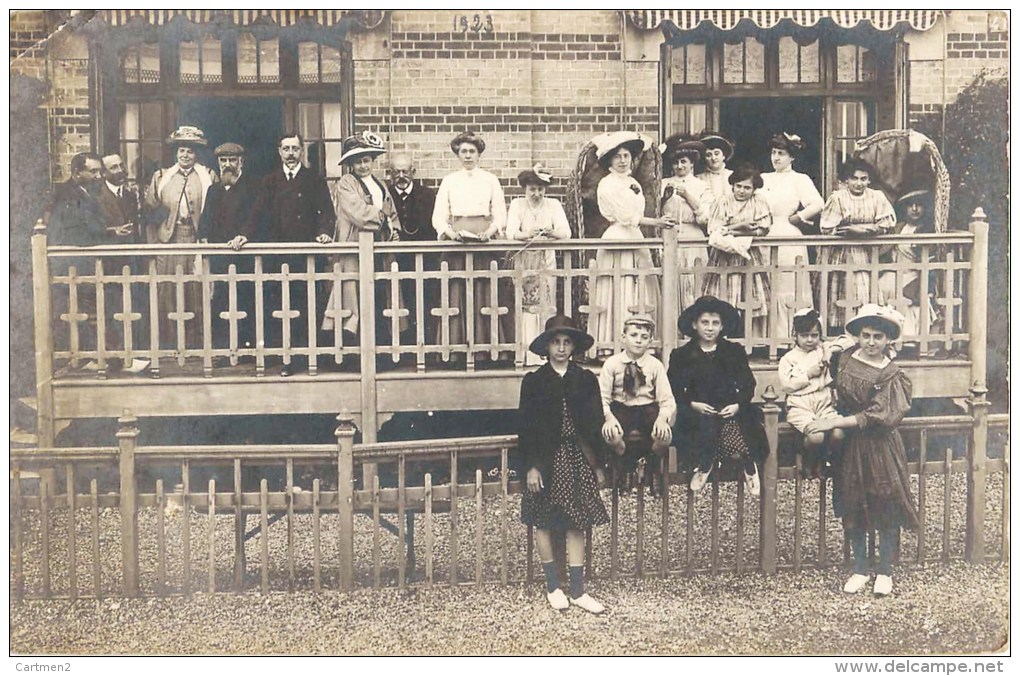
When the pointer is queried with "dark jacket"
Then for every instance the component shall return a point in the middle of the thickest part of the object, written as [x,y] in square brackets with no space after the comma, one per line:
[415,212]
[720,381]
[293,211]
[76,219]
[228,213]
[119,211]
[540,416]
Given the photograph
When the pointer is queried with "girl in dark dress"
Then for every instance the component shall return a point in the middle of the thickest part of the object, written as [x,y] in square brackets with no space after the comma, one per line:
[872,487]
[562,455]
[713,386]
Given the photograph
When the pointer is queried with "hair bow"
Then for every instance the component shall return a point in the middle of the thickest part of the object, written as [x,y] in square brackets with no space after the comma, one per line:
[371,139]
[542,174]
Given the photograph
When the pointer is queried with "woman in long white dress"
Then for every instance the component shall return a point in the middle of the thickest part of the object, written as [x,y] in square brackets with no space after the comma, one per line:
[534,218]
[794,200]
[688,200]
[718,151]
[622,202]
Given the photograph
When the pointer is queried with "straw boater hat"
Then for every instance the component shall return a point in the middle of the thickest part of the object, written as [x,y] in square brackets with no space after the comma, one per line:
[534,176]
[914,196]
[606,144]
[467,137]
[365,143]
[712,139]
[679,145]
[229,150]
[187,136]
[561,324]
[729,315]
[885,318]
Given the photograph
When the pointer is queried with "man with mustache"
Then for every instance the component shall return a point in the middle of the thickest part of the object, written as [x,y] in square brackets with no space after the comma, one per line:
[226,219]
[415,203]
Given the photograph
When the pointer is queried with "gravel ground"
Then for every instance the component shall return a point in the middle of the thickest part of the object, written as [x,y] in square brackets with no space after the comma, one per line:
[936,608]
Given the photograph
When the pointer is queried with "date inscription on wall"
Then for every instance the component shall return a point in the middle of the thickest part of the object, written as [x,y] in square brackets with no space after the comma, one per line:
[473,23]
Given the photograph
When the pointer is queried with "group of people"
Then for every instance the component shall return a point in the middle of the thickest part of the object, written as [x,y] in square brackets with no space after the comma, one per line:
[717,214]
[575,426]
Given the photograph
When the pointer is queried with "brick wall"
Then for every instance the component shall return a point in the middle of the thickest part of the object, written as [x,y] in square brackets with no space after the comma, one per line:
[28,55]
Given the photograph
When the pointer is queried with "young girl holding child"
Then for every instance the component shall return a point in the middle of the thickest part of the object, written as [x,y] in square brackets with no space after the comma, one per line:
[872,486]
[804,376]
[562,455]
[713,386]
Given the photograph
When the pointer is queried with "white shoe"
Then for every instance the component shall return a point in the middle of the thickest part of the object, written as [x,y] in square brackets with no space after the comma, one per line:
[883,585]
[588,603]
[137,365]
[751,483]
[558,600]
[699,480]
[856,583]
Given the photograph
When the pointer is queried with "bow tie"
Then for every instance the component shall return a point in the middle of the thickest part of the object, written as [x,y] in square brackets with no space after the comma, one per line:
[633,378]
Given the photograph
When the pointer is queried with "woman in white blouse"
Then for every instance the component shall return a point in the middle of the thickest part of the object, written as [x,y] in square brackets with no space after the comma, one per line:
[534,218]
[794,200]
[688,200]
[622,202]
[470,206]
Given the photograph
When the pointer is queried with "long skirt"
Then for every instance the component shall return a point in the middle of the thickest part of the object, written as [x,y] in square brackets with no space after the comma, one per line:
[847,289]
[166,294]
[734,287]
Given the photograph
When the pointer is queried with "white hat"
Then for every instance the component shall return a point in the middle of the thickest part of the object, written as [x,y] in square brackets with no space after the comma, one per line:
[606,144]
[886,317]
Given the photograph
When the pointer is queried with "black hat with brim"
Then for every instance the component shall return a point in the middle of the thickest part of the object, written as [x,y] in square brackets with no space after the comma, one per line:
[561,324]
[729,315]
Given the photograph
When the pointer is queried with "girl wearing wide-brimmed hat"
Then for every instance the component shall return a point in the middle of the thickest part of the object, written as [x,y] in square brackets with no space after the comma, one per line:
[914,210]
[562,456]
[718,151]
[688,200]
[854,211]
[535,218]
[714,386]
[363,203]
[795,202]
[470,207]
[621,201]
[872,483]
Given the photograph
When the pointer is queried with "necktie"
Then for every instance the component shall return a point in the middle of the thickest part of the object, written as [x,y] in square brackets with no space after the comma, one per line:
[120,191]
[183,209]
[290,175]
[633,378]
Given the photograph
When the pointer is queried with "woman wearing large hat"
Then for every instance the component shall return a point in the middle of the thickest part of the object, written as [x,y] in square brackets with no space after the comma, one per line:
[470,207]
[621,201]
[530,219]
[871,489]
[718,151]
[794,201]
[363,203]
[561,456]
[174,202]
[688,200]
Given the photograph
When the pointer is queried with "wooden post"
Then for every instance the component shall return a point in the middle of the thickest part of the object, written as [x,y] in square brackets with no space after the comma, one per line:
[977,454]
[345,496]
[127,437]
[670,294]
[770,483]
[366,334]
[43,305]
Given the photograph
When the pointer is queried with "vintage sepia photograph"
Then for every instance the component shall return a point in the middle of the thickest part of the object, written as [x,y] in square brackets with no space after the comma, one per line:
[510,332]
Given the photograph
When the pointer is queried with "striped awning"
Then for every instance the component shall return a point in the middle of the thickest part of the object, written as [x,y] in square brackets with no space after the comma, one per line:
[243,17]
[726,19]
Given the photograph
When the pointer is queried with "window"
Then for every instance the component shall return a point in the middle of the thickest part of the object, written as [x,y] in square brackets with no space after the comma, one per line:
[139,64]
[141,138]
[744,62]
[853,123]
[319,124]
[258,61]
[201,61]
[318,63]
[855,64]
[689,65]
[690,117]
[798,63]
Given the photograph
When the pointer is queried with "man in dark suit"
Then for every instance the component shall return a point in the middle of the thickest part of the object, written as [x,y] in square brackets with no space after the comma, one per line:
[119,200]
[415,203]
[77,219]
[294,205]
[226,219]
